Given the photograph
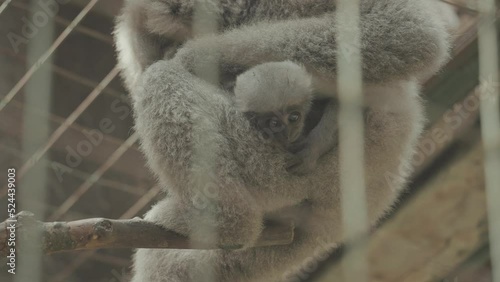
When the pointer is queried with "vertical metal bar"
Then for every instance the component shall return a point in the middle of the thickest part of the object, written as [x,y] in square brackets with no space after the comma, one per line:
[490,123]
[92,179]
[45,56]
[38,154]
[351,137]
[79,260]
[32,193]
[29,162]
[205,21]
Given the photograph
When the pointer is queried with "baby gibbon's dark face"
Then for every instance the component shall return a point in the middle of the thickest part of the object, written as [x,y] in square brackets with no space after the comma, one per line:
[284,127]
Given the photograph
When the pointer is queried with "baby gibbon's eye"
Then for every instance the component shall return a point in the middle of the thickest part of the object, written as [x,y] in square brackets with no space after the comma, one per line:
[294,117]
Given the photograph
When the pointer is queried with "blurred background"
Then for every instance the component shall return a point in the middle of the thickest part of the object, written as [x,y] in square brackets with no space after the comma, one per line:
[66,126]
[88,170]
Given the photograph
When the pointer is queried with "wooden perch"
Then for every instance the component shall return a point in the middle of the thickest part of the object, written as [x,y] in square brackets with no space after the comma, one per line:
[100,233]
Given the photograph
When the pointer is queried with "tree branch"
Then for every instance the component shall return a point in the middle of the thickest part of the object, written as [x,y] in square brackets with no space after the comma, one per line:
[100,233]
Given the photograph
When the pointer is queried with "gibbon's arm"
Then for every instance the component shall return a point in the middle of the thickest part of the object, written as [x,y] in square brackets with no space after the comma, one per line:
[137,46]
[208,156]
[321,140]
[399,39]
[177,114]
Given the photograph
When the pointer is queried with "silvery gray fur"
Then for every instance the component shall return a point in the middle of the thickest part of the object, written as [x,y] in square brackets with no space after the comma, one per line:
[217,173]
[276,98]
